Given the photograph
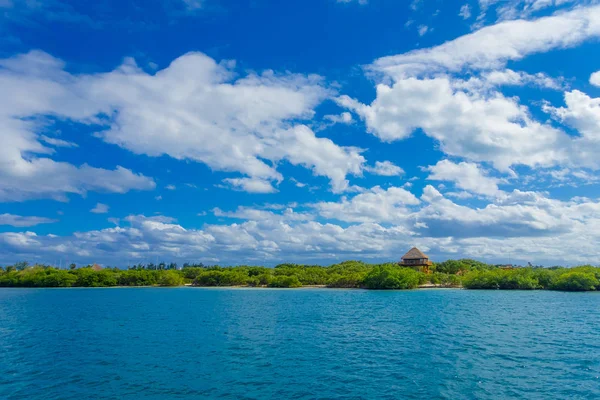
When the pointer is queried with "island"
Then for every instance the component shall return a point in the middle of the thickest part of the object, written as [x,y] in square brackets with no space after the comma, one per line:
[415,270]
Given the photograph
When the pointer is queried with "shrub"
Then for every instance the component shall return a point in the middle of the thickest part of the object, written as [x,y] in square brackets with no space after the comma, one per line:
[353,280]
[283,281]
[386,277]
[575,282]
[170,278]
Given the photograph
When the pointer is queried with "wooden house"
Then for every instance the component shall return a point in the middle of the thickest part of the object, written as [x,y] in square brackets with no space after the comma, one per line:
[416,259]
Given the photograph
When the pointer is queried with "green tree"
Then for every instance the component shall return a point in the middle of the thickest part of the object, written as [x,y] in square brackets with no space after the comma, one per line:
[386,277]
[170,278]
[576,281]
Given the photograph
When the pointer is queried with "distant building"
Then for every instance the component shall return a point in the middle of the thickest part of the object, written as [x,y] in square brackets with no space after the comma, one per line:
[96,267]
[416,259]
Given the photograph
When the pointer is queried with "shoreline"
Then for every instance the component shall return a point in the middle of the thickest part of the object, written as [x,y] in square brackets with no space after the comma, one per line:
[189,285]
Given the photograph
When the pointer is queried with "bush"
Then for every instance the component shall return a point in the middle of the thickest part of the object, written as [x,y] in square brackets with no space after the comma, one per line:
[228,277]
[386,277]
[59,278]
[353,280]
[87,277]
[283,281]
[170,278]
[576,281]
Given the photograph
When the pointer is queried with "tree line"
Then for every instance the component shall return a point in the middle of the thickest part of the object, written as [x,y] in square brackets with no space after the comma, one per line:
[467,273]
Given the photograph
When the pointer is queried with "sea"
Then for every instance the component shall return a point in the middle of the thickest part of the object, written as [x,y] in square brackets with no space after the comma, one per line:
[219,343]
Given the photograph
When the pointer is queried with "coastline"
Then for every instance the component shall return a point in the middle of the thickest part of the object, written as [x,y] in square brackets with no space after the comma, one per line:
[234,287]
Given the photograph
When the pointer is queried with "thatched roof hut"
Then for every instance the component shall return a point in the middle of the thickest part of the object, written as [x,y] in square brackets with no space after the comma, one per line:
[414,254]
[415,258]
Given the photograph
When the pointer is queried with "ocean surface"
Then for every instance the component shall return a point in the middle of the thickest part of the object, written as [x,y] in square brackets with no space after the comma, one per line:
[184,343]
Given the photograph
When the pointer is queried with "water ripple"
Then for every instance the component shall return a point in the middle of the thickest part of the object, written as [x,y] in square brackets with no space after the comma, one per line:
[298,344]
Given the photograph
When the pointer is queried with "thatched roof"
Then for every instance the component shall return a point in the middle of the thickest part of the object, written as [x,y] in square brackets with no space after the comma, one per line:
[96,267]
[414,254]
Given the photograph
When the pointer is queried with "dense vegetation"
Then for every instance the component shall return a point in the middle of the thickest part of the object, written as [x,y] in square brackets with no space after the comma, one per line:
[467,273]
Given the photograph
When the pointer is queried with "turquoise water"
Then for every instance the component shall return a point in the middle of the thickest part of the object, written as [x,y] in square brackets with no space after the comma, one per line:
[188,343]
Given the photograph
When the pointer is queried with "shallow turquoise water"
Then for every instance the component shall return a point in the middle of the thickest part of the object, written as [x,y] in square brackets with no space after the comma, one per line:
[184,343]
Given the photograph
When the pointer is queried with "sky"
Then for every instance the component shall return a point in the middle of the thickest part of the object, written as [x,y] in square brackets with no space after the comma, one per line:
[261,131]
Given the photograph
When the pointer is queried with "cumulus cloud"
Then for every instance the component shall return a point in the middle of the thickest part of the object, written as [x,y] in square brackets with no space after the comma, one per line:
[100,209]
[595,79]
[33,85]
[385,168]
[194,109]
[375,225]
[490,128]
[467,176]
[471,118]
[374,205]
[21,221]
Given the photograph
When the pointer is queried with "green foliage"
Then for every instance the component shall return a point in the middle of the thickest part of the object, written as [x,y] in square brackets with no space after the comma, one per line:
[222,277]
[350,280]
[284,281]
[137,278]
[445,280]
[451,267]
[522,279]
[170,278]
[89,278]
[469,273]
[576,281]
[584,278]
[386,277]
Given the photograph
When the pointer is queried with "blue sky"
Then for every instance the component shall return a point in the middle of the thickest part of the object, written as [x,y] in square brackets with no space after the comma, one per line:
[317,131]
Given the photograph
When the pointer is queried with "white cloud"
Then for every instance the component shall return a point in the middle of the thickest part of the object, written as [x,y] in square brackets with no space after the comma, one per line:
[250,185]
[248,213]
[45,178]
[375,205]
[595,79]
[538,228]
[425,89]
[193,109]
[344,118]
[20,221]
[170,187]
[297,183]
[57,142]
[582,112]
[385,168]
[415,4]
[25,171]
[467,176]
[508,77]
[422,30]
[491,47]
[465,11]
[514,9]
[100,209]
[527,215]
[491,128]
[362,2]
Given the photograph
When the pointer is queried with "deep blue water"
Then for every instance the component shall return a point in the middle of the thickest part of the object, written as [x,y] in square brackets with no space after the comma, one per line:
[181,343]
